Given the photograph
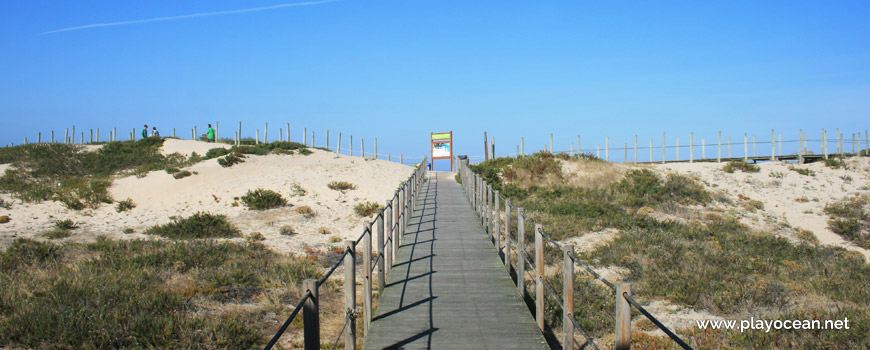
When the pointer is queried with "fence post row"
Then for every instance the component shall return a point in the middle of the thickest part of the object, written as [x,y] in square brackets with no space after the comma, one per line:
[379,224]
[507,235]
[388,227]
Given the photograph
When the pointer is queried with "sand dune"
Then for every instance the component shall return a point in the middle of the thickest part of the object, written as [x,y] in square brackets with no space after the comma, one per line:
[158,196]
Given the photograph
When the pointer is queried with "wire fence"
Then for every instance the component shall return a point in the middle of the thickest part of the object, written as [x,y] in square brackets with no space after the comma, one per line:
[700,149]
[507,226]
[399,208]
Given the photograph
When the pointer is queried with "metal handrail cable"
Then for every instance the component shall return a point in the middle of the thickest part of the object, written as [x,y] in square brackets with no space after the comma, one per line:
[652,318]
[287,322]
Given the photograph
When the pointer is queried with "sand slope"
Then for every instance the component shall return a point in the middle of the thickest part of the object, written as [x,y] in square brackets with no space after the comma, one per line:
[158,196]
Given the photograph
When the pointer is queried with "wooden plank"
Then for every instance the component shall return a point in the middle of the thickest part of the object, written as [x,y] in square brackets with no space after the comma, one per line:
[448,288]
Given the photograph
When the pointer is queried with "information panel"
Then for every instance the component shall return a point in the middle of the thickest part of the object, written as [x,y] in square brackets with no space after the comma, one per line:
[442,147]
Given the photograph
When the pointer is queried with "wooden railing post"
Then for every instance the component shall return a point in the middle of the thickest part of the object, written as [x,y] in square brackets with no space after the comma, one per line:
[394,203]
[388,227]
[623,318]
[400,216]
[311,317]
[539,276]
[568,297]
[496,220]
[367,273]
[379,224]
[521,253]
[350,295]
[507,235]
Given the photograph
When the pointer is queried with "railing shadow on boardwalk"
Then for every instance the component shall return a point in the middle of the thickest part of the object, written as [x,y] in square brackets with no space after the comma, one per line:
[432,205]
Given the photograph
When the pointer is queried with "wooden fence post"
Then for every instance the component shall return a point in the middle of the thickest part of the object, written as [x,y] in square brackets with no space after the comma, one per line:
[311,317]
[678,147]
[338,150]
[66,136]
[281,134]
[539,276]
[257,142]
[754,147]
[607,148]
[551,144]
[507,235]
[719,150]
[350,295]
[650,150]
[773,146]
[39,137]
[388,228]
[800,146]
[623,318]
[382,278]
[703,149]
[496,220]
[305,136]
[52,136]
[327,139]
[288,130]
[780,145]
[664,146]
[521,252]
[362,147]
[395,223]
[376,148]
[745,147]
[313,144]
[635,149]
[568,297]
[367,275]
[240,133]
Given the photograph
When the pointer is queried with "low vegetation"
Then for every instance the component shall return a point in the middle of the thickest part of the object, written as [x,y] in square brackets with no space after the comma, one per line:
[802,171]
[711,262]
[125,205]
[79,179]
[231,159]
[366,209]
[849,218]
[147,294]
[341,186]
[199,225]
[66,224]
[182,174]
[305,211]
[262,199]
[739,165]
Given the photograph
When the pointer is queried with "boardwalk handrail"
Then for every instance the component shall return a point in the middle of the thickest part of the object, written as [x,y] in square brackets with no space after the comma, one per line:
[400,208]
[487,203]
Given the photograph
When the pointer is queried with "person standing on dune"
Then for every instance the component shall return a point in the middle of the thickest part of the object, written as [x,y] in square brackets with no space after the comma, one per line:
[145,131]
[209,135]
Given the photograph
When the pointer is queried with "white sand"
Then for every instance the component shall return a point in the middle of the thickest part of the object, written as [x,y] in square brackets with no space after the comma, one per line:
[783,197]
[158,196]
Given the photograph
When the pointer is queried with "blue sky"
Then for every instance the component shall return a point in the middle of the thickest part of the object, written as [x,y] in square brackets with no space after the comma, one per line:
[397,70]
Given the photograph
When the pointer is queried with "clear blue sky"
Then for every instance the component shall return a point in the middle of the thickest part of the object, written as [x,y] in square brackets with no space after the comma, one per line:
[397,70]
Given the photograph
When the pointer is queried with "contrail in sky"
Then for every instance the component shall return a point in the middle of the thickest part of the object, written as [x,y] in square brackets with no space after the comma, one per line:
[194,15]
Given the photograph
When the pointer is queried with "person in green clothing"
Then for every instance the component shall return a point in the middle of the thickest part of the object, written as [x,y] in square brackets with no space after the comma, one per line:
[145,131]
[209,134]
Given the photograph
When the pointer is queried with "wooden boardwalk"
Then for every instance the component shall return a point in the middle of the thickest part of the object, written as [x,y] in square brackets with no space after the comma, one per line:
[448,288]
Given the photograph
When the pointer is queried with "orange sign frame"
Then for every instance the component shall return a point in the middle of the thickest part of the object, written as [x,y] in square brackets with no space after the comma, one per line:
[441,140]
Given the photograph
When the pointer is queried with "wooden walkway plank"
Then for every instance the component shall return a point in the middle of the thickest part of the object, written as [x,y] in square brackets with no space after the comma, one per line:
[448,288]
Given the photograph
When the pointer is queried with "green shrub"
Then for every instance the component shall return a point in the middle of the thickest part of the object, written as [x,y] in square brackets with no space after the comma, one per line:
[262,199]
[341,185]
[849,219]
[366,209]
[57,234]
[458,178]
[306,211]
[740,165]
[182,174]
[125,205]
[25,253]
[216,152]
[305,151]
[802,171]
[231,159]
[171,170]
[835,163]
[199,225]
[66,224]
